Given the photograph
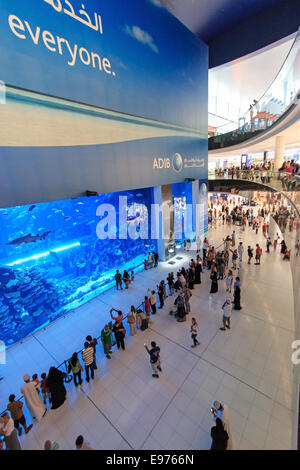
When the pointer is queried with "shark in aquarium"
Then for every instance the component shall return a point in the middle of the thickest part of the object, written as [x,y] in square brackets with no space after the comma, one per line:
[28,239]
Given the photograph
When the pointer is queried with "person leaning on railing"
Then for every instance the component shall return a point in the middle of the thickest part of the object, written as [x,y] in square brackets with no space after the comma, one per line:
[76,368]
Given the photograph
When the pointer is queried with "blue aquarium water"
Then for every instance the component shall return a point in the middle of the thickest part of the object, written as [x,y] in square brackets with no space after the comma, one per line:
[183,217]
[184,222]
[52,261]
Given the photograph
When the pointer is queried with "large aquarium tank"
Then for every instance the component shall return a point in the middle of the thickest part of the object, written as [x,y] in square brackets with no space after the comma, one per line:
[52,260]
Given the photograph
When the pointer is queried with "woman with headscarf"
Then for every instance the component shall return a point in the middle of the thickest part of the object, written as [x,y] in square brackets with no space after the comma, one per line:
[191,278]
[237,294]
[198,271]
[55,383]
[179,302]
[219,436]
[283,247]
[214,280]
[220,411]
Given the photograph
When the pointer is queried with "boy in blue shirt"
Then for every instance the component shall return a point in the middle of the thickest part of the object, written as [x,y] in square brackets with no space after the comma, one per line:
[154,358]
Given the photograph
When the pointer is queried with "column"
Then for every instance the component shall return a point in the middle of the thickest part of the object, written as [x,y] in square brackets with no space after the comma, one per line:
[162,221]
[196,209]
[279,152]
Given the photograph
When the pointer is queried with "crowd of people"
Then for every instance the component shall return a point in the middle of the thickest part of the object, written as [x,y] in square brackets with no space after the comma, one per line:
[262,172]
[224,264]
[236,215]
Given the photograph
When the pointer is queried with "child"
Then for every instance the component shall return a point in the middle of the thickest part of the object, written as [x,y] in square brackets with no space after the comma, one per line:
[194,332]
[132,276]
[35,379]
[275,244]
[45,390]
[146,264]
[37,382]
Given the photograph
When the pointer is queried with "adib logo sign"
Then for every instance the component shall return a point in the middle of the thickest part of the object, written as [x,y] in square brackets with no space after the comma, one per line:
[165,163]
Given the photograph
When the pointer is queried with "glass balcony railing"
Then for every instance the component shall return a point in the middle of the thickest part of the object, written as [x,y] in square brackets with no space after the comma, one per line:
[280,97]
[287,183]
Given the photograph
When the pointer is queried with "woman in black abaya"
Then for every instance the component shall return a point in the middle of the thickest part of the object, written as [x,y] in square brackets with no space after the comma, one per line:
[191,278]
[237,295]
[198,271]
[214,281]
[55,383]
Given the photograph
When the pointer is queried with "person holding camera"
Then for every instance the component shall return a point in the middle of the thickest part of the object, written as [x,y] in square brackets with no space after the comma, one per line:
[155,361]
[119,332]
[220,411]
[219,436]
[106,340]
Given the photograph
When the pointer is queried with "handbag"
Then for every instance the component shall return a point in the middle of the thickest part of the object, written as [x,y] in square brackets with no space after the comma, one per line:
[130,319]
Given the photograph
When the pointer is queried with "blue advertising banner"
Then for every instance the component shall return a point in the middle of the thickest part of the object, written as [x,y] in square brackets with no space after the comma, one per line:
[128,56]
[105,96]
[66,172]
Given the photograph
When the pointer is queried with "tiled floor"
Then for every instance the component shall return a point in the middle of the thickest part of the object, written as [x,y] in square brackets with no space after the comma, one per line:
[248,367]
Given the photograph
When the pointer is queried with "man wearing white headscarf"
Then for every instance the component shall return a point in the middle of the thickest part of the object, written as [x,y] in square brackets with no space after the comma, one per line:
[33,399]
[221,411]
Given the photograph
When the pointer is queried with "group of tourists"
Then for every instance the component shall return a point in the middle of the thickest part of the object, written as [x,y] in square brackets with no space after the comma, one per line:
[151,261]
[218,264]
[125,278]
[36,392]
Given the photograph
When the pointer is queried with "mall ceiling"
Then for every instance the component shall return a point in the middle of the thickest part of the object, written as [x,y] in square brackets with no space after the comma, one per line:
[234,28]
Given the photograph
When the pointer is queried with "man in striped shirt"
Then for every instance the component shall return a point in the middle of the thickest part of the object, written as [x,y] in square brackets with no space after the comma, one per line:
[88,359]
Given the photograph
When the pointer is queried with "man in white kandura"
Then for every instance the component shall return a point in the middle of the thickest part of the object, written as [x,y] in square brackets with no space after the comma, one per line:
[33,399]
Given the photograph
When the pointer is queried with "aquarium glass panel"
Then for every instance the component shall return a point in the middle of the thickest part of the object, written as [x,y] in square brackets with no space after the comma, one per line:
[52,261]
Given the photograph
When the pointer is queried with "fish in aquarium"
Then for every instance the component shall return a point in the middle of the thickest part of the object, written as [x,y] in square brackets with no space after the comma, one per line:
[29,238]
